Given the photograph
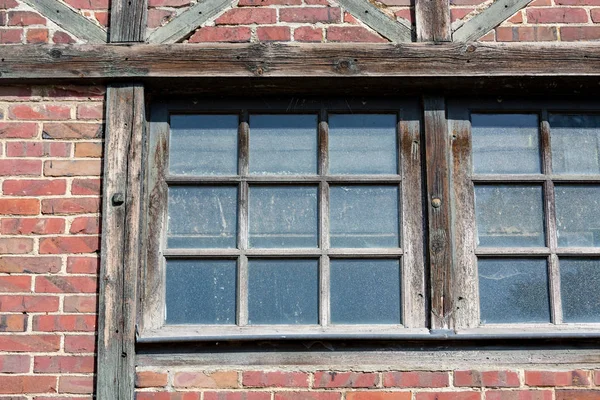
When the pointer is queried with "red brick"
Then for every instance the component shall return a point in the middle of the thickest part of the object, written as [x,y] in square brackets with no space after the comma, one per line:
[273,33]
[317,2]
[76,384]
[32,226]
[246,16]
[14,364]
[577,395]
[173,396]
[577,2]
[15,92]
[80,304]
[16,245]
[72,168]
[11,36]
[274,379]
[168,3]
[518,395]
[72,130]
[311,15]
[83,265]
[29,303]
[90,111]
[27,384]
[308,34]
[19,206]
[18,130]
[73,205]
[80,344]
[516,18]
[12,323]
[29,343]
[62,38]
[448,396]
[38,149]
[221,34]
[39,112]
[144,379]
[69,244]
[85,225]
[25,18]
[88,149]
[459,13]
[20,167]
[486,378]
[595,13]
[406,14]
[563,15]
[89,4]
[237,396]
[86,187]
[575,33]
[15,283]
[332,379]
[7,4]
[30,265]
[352,34]
[45,187]
[65,284]
[157,18]
[597,378]
[308,396]
[416,379]
[526,33]
[371,395]
[62,364]
[60,323]
[37,36]
[75,92]
[249,3]
[219,379]
[557,378]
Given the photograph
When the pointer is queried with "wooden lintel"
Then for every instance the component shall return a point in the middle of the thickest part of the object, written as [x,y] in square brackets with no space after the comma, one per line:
[450,60]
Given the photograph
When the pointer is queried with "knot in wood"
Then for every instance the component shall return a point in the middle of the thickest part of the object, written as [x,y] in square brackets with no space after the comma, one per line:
[346,66]
[438,241]
[118,199]
[55,53]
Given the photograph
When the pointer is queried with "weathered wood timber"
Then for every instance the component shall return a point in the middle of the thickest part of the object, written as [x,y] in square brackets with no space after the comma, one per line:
[488,19]
[449,60]
[70,20]
[187,22]
[375,18]
[128,20]
[433,20]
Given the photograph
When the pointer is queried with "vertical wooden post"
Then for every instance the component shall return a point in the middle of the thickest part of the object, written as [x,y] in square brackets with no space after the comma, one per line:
[433,20]
[121,213]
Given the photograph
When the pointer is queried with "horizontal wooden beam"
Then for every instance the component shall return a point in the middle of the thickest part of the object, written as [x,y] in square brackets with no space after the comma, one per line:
[448,60]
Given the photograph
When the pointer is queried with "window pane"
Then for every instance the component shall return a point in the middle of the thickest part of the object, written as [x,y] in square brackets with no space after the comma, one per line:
[365,292]
[201,292]
[363,144]
[283,144]
[283,216]
[283,292]
[202,217]
[203,145]
[505,143]
[509,215]
[575,144]
[580,289]
[364,216]
[577,215]
[513,290]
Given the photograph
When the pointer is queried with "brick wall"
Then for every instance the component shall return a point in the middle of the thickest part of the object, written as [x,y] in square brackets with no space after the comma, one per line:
[49,239]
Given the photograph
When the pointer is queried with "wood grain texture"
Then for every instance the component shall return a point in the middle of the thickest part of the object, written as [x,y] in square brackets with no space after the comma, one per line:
[372,16]
[70,20]
[128,20]
[488,19]
[432,18]
[120,242]
[187,22]
[451,60]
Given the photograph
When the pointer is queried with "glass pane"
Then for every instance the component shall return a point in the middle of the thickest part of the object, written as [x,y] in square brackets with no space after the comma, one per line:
[202,217]
[505,143]
[283,144]
[363,144]
[509,215]
[364,216]
[579,287]
[283,292]
[283,216]
[365,292]
[578,215]
[203,145]
[201,292]
[575,144]
[513,290]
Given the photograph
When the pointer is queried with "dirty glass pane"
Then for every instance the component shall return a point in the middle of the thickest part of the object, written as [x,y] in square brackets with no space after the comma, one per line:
[580,289]
[575,143]
[513,290]
[364,216]
[578,215]
[363,144]
[283,144]
[509,215]
[202,217]
[505,143]
[283,292]
[365,292]
[283,216]
[203,145]
[201,292]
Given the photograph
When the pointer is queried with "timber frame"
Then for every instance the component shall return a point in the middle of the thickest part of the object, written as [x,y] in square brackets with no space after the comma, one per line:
[445,62]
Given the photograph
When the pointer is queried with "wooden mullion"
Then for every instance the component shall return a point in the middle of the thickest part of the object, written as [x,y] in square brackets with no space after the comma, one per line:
[433,20]
[128,20]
